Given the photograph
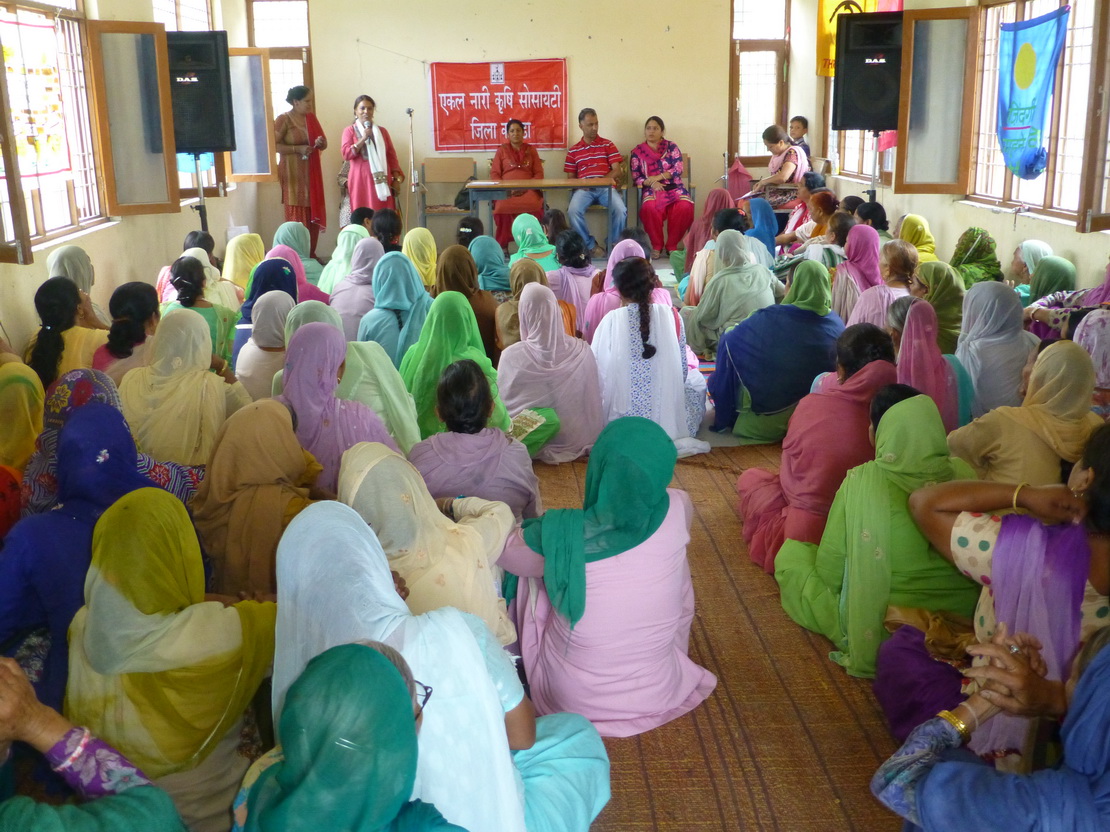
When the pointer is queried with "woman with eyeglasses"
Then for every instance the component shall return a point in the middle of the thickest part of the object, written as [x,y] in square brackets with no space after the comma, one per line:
[478,734]
[350,757]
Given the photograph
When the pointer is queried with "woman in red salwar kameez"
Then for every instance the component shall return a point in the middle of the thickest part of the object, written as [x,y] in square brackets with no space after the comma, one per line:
[515,159]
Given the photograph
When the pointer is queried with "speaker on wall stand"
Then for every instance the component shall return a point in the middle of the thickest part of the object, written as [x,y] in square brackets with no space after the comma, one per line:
[200,92]
[867,83]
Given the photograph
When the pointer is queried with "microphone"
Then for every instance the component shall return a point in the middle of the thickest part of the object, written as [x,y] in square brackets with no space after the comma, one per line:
[408,111]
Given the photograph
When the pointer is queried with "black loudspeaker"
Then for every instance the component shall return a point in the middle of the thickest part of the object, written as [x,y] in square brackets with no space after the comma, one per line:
[200,88]
[868,71]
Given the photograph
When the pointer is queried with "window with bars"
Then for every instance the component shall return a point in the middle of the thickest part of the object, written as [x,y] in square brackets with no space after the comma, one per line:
[760,56]
[183,15]
[281,26]
[1057,190]
[50,126]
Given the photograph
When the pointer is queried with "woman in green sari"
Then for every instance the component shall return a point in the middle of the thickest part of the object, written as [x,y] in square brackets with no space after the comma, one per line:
[871,554]
[532,242]
[450,334]
[975,258]
[943,288]
[296,236]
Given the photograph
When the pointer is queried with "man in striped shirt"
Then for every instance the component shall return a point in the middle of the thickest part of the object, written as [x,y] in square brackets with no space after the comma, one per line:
[595,158]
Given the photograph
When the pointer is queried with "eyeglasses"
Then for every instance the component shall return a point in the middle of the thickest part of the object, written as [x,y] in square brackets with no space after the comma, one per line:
[423,693]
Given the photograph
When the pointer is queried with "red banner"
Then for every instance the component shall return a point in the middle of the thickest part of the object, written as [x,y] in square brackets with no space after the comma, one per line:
[472,102]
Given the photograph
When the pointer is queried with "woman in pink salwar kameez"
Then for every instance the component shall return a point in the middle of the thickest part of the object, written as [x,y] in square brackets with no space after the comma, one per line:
[603,596]
[795,502]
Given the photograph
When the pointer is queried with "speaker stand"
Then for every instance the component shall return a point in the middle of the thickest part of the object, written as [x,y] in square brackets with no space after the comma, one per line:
[874,189]
[200,207]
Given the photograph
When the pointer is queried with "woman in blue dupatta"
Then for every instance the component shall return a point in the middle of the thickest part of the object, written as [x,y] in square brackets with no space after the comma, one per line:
[764,226]
[45,556]
[493,271]
[936,785]
[767,363]
[275,274]
[401,304]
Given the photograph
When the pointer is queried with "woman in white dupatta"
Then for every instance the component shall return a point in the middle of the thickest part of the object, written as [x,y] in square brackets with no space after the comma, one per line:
[640,350]
[375,170]
[465,766]
[175,407]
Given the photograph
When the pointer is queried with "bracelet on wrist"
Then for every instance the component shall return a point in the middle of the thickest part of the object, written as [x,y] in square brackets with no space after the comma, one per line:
[1014,503]
[958,724]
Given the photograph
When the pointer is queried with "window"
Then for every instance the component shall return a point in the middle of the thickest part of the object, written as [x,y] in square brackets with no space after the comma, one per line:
[855,150]
[47,113]
[183,15]
[758,85]
[282,27]
[1057,191]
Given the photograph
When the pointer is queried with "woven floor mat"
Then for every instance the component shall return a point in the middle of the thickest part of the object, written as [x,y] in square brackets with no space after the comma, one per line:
[788,741]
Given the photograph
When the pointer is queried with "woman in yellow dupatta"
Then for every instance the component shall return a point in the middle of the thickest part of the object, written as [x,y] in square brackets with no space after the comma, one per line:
[21,404]
[243,253]
[420,247]
[154,669]
[1027,443]
[446,556]
[915,231]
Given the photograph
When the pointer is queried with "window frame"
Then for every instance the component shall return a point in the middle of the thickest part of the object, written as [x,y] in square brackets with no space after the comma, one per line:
[225,158]
[1087,217]
[17,250]
[781,48]
[98,107]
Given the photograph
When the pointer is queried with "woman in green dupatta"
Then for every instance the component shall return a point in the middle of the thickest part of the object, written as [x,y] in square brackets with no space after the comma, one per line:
[1053,274]
[532,242]
[739,287]
[349,742]
[450,334]
[975,258]
[369,376]
[943,288]
[872,554]
[340,264]
[296,236]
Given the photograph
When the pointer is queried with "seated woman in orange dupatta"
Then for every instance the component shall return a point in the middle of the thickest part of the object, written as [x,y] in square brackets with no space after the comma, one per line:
[259,478]
[456,271]
[795,502]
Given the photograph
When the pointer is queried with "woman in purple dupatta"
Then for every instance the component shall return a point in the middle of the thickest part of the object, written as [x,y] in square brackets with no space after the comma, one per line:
[547,368]
[573,281]
[859,271]
[1045,574]
[470,459]
[353,296]
[609,298]
[326,425]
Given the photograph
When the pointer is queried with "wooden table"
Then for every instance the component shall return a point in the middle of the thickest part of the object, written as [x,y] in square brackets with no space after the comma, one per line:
[488,190]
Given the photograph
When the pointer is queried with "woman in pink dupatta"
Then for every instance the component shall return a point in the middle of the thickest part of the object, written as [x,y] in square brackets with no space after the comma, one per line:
[470,459]
[897,264]
[609,298]
[326,425]
[922,366]
[305,290]
[859,271]
[795,502]
[547,368]
[701,232]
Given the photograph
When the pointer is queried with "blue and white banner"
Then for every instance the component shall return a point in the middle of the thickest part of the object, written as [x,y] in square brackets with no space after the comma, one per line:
[1028,53]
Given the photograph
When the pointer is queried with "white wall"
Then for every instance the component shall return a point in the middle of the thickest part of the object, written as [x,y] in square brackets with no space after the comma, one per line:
[628,59]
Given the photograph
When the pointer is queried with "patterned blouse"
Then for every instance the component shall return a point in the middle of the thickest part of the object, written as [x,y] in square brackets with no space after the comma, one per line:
[646,162]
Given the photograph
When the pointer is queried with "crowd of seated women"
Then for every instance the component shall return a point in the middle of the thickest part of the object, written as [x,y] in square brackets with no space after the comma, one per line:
[183,652]
[169,483]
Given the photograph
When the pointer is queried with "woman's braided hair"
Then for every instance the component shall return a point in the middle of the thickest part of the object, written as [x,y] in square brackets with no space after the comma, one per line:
[635,279]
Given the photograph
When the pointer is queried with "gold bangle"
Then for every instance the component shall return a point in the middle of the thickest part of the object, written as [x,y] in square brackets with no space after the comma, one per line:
[1014,504]
[957,723]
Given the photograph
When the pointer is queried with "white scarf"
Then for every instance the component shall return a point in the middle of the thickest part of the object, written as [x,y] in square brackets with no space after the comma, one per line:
[374,153]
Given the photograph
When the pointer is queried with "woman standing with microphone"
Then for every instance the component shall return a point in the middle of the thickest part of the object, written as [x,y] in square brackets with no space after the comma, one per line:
[375,171]
[300,138]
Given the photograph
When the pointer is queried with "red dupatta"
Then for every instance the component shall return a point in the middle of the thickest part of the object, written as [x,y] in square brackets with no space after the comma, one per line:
[317,209]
